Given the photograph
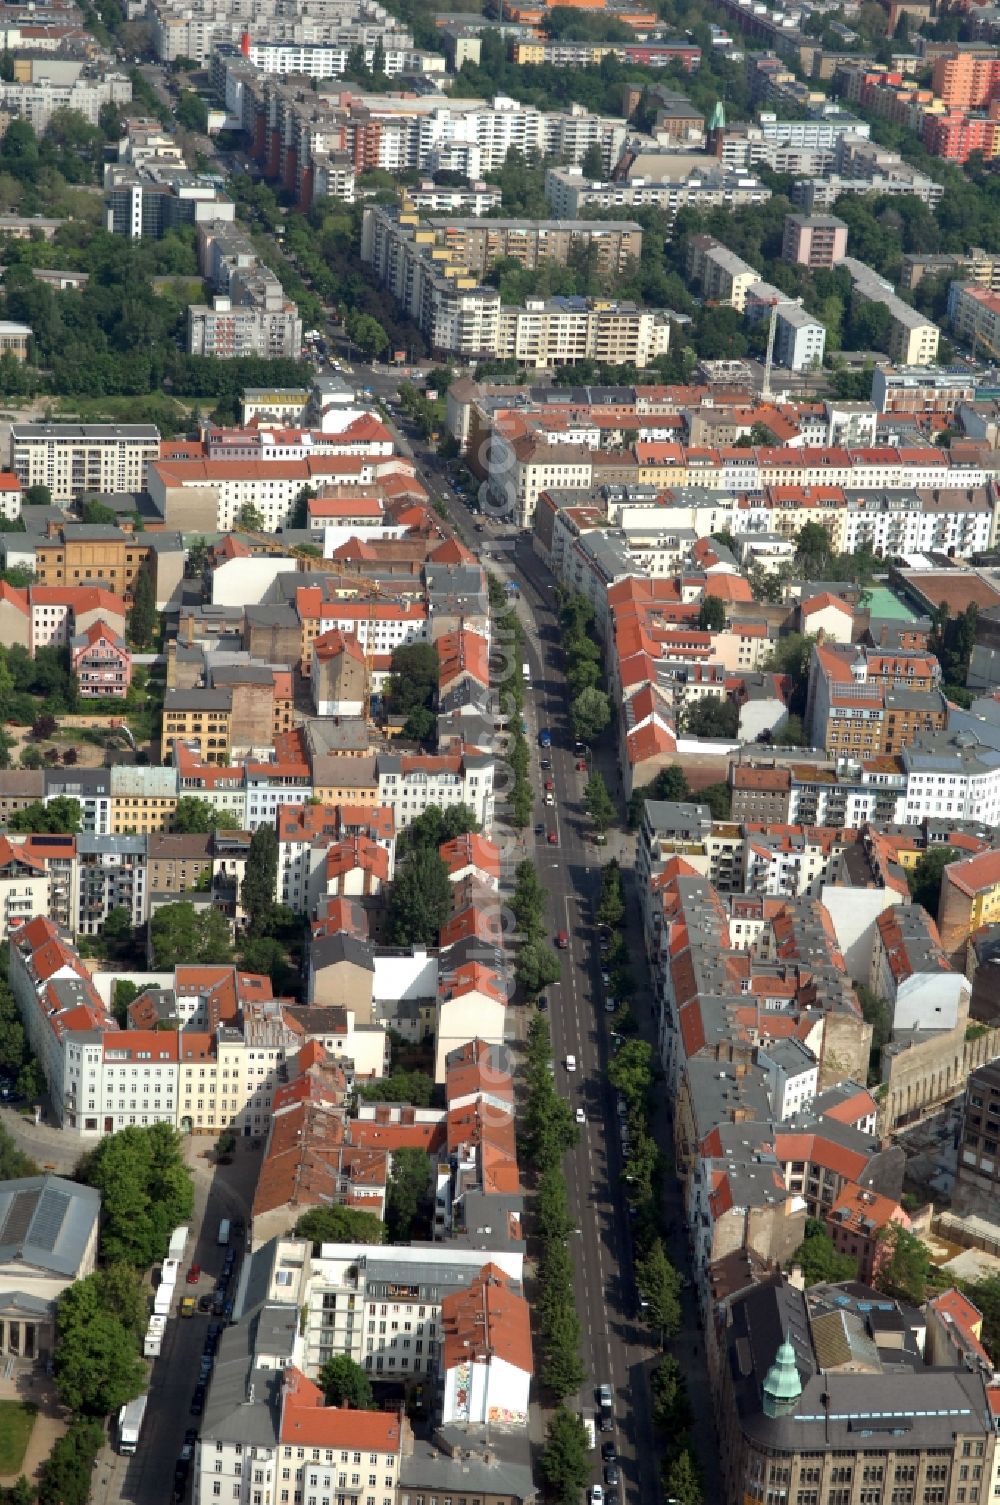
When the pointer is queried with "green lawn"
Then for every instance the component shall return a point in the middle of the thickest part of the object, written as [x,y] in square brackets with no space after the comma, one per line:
[16,1422]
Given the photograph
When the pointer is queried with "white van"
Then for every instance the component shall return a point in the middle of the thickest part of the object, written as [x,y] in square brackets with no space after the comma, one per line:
[223,1237]
[571,1063]
[591,1431]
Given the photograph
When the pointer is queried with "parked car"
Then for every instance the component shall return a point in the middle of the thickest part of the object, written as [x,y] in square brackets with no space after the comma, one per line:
[541,1003]
[194,1275]
[581,1117]
[188,1306]
[611,1475]
[198,1401]
[553,838]
[205,1303]
[562,940]
[609,1452]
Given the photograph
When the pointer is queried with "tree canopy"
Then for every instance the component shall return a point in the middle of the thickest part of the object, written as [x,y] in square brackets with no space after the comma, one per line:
[181,933]
[345,1383]
[420,899]
[340,1225]
[146,1191]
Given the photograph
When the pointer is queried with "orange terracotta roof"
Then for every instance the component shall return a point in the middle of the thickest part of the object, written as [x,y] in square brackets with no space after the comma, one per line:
[307,1421]
[487,1320]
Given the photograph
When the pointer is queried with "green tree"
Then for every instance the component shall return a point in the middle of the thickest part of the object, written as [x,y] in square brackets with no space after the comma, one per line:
[711,614]
[266,956]
[660,1285]
[340,1225]
[142,618]
[565,1459]
[60,816]
[192,112]
[96,511]
[712,716]
[671,1407]
[117,927]
[820,1260]
[67,1475]
[123,1294]
[562,1369]
[420,900]
[367,333]
[251,519]
[528,900]
[126,992]
[718,798]
[146,1191]
[537,967]
[924,878]
[908,1268]
[413,681]
[413,1087]
[630,1072]
[434,826]
[194,816]
[598,801]
[259,888]
[344,1383]
[38,496]
[406,1193]
[681,1480]
[13,1162]
[181,933]
[97,1364]
[590,714]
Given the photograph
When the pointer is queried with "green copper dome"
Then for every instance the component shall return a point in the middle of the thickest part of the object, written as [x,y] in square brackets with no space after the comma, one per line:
[782,1386]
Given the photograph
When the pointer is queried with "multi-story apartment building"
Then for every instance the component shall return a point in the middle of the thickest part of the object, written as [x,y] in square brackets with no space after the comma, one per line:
[814,240]
[102,662]
[862,703]
[250,313]
[217,1065]
[724,276]
[974,316]
[790,1422]
[73,458]
[409,783]
[569,192]
[202,719]
[924,389]
[982,267]
[970,899]
[607,245]
[112,875]
[87,93]
[967,77]
[281,1441]
[151,199]
[912,338]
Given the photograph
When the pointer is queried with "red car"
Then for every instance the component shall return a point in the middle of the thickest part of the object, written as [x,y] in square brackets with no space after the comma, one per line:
[562,941]
[194,1275]
[550,784]
[581,765]
[553,838]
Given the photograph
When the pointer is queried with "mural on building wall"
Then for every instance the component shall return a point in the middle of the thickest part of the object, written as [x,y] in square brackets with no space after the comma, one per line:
[463,1390]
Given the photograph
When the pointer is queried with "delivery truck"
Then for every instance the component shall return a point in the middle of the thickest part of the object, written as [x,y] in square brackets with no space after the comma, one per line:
[130,1424]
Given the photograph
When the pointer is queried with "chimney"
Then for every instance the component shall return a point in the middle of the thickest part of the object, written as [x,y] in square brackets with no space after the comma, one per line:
[796,1279]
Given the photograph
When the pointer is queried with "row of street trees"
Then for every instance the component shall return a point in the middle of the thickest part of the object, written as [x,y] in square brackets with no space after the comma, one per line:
[509,640]
[537,964]
[590,707]
[632,1072]
[548,1131]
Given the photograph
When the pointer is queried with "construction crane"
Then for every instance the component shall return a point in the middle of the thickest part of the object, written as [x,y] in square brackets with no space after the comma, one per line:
[376,590]
[765,391]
